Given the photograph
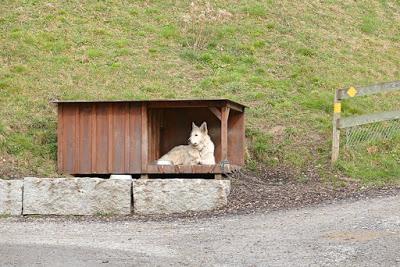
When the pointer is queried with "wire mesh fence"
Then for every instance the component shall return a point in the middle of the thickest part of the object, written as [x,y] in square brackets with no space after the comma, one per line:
[372,132]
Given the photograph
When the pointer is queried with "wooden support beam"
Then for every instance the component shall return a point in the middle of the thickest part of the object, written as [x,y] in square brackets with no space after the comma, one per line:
[216,112]
[186,104]
[224,132]
[235,107]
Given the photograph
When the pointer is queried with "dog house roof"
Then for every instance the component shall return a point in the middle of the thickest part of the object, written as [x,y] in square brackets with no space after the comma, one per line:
[162,103]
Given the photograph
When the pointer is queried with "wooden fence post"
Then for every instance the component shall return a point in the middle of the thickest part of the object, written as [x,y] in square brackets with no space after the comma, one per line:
[337,108]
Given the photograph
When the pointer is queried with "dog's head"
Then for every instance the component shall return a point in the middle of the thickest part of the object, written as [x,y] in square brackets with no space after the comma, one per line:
[198,134]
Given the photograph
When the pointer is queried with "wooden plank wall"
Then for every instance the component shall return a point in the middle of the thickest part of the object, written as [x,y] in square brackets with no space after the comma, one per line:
[96,138]
[236,138]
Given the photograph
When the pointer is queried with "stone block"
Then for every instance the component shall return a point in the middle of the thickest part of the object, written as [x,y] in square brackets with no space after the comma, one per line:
[11,197]
[163,196]
[76,196]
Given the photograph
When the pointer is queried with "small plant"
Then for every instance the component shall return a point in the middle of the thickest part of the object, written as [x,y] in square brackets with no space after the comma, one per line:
[104,214]
[198,22]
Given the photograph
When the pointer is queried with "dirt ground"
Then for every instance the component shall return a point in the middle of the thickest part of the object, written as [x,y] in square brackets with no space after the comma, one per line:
[276,189]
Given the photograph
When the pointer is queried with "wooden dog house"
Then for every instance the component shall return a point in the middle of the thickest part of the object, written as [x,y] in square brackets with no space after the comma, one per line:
[126,137]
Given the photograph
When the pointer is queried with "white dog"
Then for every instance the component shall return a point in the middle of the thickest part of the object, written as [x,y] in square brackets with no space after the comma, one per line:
[199,151]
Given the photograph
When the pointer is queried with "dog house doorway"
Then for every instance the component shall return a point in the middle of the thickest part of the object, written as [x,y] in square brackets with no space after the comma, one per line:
[171,127]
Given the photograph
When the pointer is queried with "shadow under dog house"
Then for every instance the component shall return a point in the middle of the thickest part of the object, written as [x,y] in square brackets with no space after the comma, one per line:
[126,137]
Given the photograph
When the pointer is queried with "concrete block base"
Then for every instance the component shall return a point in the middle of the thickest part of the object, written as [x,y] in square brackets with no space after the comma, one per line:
[76,196]
[11,197]
[95,196]
[163,196]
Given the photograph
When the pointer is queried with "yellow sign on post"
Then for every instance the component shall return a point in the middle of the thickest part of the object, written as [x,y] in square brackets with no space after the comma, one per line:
[337,107]
[352,91]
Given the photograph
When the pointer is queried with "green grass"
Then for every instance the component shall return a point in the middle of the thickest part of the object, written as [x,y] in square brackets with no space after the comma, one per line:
[383,158]
[282,59]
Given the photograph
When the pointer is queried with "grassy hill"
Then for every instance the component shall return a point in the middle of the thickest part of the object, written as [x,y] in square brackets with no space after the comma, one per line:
[284,59]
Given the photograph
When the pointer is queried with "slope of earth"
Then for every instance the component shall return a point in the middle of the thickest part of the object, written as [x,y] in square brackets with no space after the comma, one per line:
[283,59]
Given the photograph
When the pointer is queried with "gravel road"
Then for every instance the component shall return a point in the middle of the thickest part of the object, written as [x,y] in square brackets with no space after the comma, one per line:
[350,233]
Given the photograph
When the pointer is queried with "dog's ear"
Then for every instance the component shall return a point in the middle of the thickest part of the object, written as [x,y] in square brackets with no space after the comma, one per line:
[194,126]
[203,127]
